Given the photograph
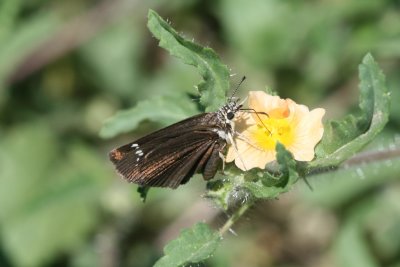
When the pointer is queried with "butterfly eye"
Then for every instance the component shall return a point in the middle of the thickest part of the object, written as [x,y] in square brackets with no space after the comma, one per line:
[230,115]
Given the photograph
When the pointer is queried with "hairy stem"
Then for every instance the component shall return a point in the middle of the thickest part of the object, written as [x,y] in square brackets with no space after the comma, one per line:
[360,159]
[235,216]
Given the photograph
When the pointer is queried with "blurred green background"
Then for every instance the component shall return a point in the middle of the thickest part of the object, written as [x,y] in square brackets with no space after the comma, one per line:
[67,65]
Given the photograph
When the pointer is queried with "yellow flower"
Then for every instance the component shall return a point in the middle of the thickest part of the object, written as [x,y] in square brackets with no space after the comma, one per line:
[291,124]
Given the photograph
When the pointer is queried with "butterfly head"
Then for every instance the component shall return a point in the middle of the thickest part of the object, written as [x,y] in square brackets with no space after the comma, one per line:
[229,110]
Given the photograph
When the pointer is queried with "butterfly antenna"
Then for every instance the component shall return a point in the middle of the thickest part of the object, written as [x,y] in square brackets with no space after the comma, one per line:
[237,87]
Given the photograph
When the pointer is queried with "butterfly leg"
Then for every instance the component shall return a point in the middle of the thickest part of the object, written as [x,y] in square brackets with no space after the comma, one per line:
[247,140]
[232,142]
[221,155]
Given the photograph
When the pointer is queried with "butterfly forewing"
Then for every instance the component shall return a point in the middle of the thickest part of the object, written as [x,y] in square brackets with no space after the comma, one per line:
[170,156]
[181,170]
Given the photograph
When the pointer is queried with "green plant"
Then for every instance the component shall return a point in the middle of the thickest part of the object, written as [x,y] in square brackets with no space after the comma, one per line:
[236,191]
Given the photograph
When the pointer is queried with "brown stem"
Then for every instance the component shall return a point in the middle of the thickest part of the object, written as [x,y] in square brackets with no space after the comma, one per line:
[371,156]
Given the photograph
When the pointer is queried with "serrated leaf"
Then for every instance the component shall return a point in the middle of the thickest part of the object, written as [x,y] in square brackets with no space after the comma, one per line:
[215,75]
[268,185]
[342,139]
[192,246]
[163,109]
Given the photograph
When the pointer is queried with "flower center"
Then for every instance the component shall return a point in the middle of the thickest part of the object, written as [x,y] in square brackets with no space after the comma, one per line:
[270,131]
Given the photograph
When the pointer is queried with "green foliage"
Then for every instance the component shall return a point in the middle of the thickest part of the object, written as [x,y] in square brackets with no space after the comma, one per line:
[192,246]
[256,183]
[51,206]
[159,109]
[386,240]
[351,190]
[364,233]
[238,192]
[61,204]
[262,36]
[16,43]
[112,72]
[245,188]
[342,139]
[215,75]
[267,185]
[352,182]
[351,248]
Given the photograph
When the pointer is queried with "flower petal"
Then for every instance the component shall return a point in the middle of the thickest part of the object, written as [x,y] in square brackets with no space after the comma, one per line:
[309,131]
[295,125]
[249,157]
[262,102]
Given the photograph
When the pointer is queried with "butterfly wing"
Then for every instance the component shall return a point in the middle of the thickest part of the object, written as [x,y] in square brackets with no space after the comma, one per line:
[169,157]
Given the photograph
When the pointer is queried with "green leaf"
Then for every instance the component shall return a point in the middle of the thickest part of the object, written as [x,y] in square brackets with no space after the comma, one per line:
[113,58]
[192,246]
[163,109]
[9,10]
[17,43]
[263,184]
[48,205]
[14,153]
[352,246]
[385,240]
[215,75]
[342,139]
[238,188]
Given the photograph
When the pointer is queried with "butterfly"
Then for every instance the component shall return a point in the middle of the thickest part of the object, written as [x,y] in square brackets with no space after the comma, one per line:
[171,156]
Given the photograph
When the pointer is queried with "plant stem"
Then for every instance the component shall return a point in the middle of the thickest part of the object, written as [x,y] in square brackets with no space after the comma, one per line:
[235,216]
[359,159]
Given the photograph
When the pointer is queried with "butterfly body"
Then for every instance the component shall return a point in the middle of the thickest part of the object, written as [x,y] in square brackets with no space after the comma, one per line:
[171,156]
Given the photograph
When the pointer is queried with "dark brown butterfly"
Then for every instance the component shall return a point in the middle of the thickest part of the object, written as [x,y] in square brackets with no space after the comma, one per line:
[170,156]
